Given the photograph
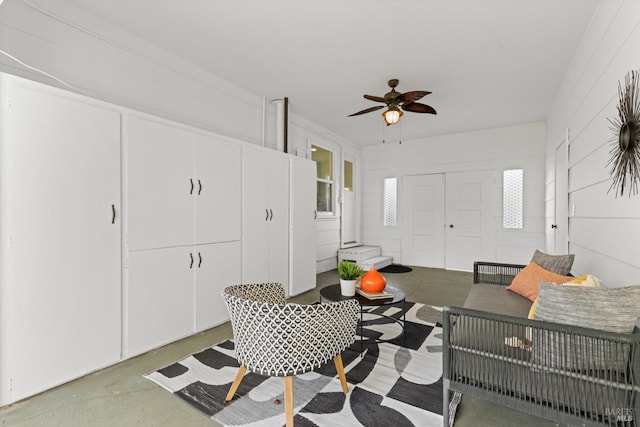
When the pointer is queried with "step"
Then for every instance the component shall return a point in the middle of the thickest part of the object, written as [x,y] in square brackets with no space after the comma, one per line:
[358,254]
[377,262]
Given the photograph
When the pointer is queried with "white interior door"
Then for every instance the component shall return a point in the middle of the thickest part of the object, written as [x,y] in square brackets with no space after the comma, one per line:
[471,207]
[423,220]
[560,227]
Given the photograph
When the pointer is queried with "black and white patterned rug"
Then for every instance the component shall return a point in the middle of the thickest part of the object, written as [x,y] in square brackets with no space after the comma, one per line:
[396,383]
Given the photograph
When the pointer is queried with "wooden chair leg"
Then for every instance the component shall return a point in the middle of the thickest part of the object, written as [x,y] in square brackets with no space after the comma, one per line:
[340,368]
[288,400]
[236,383]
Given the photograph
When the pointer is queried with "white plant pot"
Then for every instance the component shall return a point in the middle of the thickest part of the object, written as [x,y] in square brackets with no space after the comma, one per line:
[347,287]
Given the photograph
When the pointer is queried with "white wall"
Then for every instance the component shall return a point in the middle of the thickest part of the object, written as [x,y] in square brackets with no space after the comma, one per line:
[604,233]
[97,59]
[493,149]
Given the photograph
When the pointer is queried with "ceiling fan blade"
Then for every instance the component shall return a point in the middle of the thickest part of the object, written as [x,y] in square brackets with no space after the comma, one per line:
[375,98]
[416,107]
[412,96]
[367,110]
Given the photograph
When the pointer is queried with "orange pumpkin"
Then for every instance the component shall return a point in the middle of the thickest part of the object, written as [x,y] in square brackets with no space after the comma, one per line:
[372,281]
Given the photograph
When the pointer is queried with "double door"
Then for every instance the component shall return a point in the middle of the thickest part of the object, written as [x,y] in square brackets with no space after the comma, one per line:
[448,220]
[183,231]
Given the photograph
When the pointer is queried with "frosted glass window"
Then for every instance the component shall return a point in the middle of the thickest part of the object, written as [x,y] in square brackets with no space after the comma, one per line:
[513,198]
[391,201]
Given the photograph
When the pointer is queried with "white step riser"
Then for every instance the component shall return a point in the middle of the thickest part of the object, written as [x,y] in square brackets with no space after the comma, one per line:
[359,253]
[376,262]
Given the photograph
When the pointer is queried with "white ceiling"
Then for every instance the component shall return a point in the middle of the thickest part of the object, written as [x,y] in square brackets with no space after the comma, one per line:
[489,63]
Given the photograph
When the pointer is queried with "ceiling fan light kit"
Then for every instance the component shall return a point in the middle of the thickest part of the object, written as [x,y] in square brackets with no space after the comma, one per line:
[393,100]
[392,115]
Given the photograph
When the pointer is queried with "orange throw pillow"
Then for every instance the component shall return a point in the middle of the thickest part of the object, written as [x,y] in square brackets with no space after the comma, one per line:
[527,282]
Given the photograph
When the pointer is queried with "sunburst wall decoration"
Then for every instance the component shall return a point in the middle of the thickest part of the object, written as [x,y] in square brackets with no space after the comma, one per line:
[625,150]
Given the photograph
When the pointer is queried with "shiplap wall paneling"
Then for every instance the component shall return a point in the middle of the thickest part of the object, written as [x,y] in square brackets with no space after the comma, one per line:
[604,229]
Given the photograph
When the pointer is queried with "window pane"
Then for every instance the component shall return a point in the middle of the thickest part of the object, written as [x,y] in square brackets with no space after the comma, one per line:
[324,168]
[512,198]
[324,162]
[324,197]
[390,201]
[348,176]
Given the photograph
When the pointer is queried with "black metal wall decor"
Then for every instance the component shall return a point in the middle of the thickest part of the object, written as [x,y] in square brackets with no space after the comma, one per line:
[625,150]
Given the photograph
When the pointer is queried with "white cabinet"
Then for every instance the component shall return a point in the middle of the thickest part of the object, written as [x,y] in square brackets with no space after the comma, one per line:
[303,226]
[265,215]
[60,262]
[184,204]
[160,297]
[174,292]
[218,267]
[161,173]
[219,201]
[184,186]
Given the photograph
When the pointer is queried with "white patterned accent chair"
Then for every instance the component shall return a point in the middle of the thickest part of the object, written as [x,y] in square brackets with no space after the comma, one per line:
[274,338]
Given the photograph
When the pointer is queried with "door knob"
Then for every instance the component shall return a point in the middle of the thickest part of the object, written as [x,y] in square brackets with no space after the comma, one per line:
[450,225]
[554,225]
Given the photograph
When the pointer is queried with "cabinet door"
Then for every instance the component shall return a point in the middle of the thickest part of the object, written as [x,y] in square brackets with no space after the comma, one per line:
[160,297]
[255,215]
[218,267]
[279,218]
[218,206]
[161,185]
[303,226]
[64,289]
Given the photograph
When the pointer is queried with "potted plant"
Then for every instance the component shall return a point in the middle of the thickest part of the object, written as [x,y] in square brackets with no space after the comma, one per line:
[349,273]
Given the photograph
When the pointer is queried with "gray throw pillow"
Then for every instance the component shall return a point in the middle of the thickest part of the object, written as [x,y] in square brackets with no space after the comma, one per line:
[612,310]
[559,264]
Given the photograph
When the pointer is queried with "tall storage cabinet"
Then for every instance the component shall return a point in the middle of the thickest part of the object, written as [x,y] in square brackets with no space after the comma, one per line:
[183,230]
[265,216]
[60,260]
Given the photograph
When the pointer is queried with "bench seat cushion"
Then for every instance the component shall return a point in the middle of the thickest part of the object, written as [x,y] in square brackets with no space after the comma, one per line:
[497,299]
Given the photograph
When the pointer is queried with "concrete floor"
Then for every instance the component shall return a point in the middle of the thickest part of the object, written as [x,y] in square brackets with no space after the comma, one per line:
[120,396]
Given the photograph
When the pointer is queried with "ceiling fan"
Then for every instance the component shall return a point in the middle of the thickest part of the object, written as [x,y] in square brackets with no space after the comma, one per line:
[393,100]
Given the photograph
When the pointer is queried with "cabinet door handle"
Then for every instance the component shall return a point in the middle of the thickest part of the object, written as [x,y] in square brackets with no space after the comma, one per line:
[271,217]
[315,214]
[191,255]
[199,187]
[267,211]
[199,260]
[191,181]
[113,214]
